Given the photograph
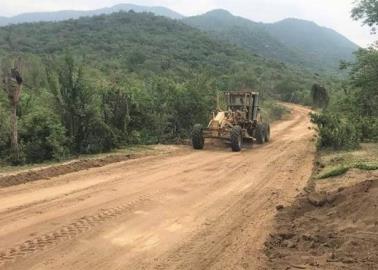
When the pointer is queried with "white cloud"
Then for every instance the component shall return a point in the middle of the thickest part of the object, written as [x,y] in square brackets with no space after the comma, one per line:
[334,14]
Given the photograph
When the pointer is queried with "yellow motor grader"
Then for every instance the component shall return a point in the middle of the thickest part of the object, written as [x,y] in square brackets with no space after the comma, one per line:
[241,121]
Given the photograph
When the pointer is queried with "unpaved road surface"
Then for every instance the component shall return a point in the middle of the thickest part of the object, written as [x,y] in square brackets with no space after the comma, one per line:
[210,209]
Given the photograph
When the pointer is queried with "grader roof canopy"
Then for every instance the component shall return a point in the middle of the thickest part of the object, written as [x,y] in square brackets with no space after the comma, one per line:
[240,98]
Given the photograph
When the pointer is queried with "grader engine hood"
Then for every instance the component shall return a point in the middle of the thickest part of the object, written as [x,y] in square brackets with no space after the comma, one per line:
[217,121]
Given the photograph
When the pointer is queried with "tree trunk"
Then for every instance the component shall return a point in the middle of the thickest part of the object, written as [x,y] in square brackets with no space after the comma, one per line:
[15,151]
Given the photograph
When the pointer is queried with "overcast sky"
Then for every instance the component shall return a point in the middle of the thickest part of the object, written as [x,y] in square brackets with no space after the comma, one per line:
[331,13]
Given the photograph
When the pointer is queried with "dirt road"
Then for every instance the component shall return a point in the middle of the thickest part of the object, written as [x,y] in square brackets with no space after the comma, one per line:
[208,209]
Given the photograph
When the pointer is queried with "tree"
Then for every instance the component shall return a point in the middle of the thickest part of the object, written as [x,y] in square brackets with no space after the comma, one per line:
[364,78]
[115,109]
[12,84]
[78,104]
[367,11]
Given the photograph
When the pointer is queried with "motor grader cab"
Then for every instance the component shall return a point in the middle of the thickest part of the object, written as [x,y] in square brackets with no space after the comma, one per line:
[241,121]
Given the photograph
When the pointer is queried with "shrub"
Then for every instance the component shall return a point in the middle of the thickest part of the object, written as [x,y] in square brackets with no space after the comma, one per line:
[273,111]
[369,128]
[367,166]
[336,132]
[99,138]
[42,137]
[334,171]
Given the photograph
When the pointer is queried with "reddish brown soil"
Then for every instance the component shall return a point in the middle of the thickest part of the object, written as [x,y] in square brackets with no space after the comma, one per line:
[340,233]
[53,171]
[210,209]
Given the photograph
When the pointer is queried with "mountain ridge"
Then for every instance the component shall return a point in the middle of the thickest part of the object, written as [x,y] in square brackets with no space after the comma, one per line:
[62,15]
[295,41]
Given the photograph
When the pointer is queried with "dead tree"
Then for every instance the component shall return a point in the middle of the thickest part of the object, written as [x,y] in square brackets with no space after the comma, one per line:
[12,81]
[320,98]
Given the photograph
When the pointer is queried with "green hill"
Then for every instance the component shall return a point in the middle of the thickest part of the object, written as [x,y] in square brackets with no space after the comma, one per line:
[292,41]
[244,33]
[323,47]
[135,43]
[297,42]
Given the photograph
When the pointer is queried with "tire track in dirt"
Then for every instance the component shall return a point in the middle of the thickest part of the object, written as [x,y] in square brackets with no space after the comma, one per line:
[71,231]
[230,222]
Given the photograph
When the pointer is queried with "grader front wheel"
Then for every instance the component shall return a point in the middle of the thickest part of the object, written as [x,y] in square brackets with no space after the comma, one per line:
[198,141]
[236,139]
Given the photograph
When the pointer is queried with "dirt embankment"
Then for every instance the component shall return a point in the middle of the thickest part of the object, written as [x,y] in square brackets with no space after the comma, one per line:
[54,171]
[48,172]
[336,229]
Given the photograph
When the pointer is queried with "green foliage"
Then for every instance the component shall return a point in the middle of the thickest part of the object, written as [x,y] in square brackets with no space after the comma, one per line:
[42,137]
[367,166]
[77,102]
[273,111]
[334,171]
[336,132]
[354,116]
[368,127]
[367,11]
[333,163]
[363,77]
[115,110]
[4,133]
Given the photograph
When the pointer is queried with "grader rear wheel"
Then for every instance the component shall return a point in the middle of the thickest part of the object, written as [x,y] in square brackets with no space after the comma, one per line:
[260,134]
[267,132]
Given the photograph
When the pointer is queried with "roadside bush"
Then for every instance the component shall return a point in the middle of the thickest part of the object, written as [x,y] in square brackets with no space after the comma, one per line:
[334,171]
[42,137]
[273,111]
[99,138]
[336,132]
[369,128]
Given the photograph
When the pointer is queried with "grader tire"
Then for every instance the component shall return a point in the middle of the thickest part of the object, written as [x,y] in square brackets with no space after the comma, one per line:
[198,141]
[236,139]
[260,134]
[267,132]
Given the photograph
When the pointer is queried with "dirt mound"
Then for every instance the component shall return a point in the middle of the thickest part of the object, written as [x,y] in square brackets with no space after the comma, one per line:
[334,230]
[53,171]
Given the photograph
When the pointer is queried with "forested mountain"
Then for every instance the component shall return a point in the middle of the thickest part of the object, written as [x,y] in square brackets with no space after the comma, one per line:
[244,33]
[75,14]
[132,42]
[292,41]
[319,45]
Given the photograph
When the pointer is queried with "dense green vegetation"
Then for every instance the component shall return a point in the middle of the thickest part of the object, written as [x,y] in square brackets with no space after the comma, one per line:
[293,41]
[94,84]
[352,116]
